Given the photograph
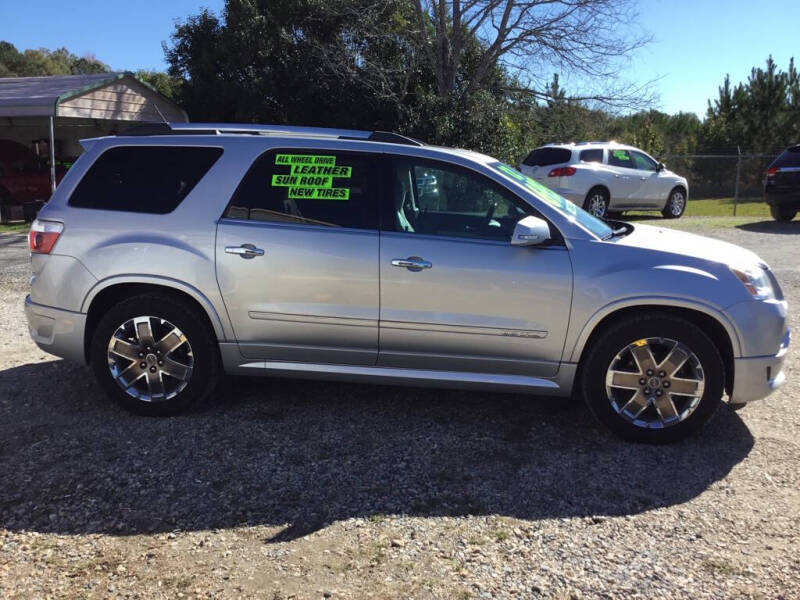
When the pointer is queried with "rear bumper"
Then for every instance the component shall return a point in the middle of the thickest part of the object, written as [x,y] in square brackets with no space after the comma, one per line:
[56,331]
[778,197]
[756,378]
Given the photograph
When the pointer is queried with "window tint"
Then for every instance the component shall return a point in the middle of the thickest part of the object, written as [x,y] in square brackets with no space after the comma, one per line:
[143,179]
[594,155]
[542,157]
[620,158]
[314,187]
[437,199]
[789,158]
[643,162]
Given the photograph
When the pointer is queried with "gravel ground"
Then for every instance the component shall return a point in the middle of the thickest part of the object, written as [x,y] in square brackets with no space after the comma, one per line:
[288,489]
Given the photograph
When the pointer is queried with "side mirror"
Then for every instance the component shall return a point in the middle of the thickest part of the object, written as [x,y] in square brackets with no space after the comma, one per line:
[530,231]
[661,166]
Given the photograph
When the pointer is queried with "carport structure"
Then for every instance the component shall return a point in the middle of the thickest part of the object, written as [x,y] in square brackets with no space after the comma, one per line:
[61,110]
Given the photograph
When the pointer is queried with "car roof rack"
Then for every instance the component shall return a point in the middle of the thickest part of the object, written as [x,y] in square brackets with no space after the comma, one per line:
[148,129]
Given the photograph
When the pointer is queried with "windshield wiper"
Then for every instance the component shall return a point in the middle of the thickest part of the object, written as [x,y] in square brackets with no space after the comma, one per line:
[615,232]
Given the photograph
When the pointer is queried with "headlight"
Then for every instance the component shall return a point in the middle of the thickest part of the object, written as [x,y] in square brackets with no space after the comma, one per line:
[757,282]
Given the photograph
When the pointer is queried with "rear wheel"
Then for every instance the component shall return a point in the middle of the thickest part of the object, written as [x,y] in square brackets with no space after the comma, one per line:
[654,379]
[676,204]
[596,202]
[782,213]
[155,355]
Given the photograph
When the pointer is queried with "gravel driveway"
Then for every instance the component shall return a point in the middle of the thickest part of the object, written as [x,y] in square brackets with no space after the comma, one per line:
[288,489]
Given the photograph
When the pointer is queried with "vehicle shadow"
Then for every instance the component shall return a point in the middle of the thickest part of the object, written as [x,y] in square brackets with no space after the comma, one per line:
[299,455]
[778,227]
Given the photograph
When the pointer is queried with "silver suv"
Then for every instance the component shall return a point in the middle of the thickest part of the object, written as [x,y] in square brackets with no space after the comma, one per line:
[173,254]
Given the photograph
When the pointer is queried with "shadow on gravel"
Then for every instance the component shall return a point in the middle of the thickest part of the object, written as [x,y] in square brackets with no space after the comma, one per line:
[299,455]
[777,227]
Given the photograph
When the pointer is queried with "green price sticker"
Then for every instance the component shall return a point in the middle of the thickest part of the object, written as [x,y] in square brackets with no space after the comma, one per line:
[316,193]
[620,154]
[304,159]
[321,181]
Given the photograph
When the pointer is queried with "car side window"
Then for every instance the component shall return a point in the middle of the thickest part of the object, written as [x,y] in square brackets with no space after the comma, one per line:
[620,158]
[311,187]
[643,162]
[143,179]
[438,199]
[593,155]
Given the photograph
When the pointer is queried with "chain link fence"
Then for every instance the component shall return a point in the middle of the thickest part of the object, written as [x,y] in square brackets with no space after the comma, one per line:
[739,177]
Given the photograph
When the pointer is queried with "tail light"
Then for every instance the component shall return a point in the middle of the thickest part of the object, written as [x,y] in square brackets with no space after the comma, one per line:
[562,172]
[43,236]
[771,172]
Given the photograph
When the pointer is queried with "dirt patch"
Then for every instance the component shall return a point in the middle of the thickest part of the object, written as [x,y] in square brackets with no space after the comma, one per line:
[289,489]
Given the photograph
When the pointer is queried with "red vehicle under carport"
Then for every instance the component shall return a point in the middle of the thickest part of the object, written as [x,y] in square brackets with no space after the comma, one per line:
[24,181]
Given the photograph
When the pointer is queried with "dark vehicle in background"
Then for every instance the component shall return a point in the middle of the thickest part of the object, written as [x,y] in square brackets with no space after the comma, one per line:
[24,182]
[782,185]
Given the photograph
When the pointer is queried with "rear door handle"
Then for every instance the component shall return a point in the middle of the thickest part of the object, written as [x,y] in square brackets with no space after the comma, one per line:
[245,250]
[412,263]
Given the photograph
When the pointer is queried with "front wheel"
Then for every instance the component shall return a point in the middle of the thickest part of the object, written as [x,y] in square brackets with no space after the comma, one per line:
[782,213]
[676,204]
[155,355]
[654,379]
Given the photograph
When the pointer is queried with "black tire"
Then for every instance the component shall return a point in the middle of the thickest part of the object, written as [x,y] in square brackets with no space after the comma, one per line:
[610,345]
[676,204]
[782,213]
[205,361]
[596,202]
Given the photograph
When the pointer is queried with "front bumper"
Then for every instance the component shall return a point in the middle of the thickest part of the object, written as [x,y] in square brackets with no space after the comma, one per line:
[756,378]
[57,331]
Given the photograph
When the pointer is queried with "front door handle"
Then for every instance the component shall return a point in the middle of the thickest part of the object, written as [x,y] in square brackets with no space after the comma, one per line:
[412,263]
[245,250]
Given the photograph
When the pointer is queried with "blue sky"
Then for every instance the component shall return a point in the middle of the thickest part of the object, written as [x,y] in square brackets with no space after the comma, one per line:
[696,42]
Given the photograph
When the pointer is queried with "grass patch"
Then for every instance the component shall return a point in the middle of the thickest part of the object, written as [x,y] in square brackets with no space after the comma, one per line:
[15,228]
[718,207]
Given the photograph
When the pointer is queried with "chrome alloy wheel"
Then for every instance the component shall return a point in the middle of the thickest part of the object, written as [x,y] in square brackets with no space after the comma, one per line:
[676,203]
[597,205]
[655,383]
[150,359]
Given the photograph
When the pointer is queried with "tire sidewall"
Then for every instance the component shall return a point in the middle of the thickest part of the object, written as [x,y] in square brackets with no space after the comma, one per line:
[618,337]
[668,208]
[205,353]
[587,206]
[782,213]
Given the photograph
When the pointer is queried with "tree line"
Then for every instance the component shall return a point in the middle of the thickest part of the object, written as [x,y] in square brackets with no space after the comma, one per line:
[477,74]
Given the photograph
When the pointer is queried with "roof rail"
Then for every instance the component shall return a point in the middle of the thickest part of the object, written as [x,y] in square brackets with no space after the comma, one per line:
[251,129]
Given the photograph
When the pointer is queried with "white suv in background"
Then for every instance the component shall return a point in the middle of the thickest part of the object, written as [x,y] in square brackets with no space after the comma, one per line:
[606,177]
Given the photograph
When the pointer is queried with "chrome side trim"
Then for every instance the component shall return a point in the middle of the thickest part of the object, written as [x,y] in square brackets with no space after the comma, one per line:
[312,319]
[465,329]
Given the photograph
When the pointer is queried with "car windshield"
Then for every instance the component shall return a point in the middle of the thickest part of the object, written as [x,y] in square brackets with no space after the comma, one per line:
[561,204]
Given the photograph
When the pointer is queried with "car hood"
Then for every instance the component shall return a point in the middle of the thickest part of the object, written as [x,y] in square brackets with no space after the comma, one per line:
[663,239]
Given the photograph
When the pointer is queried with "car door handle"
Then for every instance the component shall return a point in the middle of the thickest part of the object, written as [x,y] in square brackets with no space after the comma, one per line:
[412,263]
[245,250]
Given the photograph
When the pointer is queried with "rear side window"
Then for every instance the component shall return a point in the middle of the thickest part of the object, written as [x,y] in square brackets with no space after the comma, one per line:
[542,157]
[789,158]
[312,187]
[143,179]
[595,155]
[620,158]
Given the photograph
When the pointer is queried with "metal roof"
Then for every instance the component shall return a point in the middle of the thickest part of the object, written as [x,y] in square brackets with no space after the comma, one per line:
[40,96]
